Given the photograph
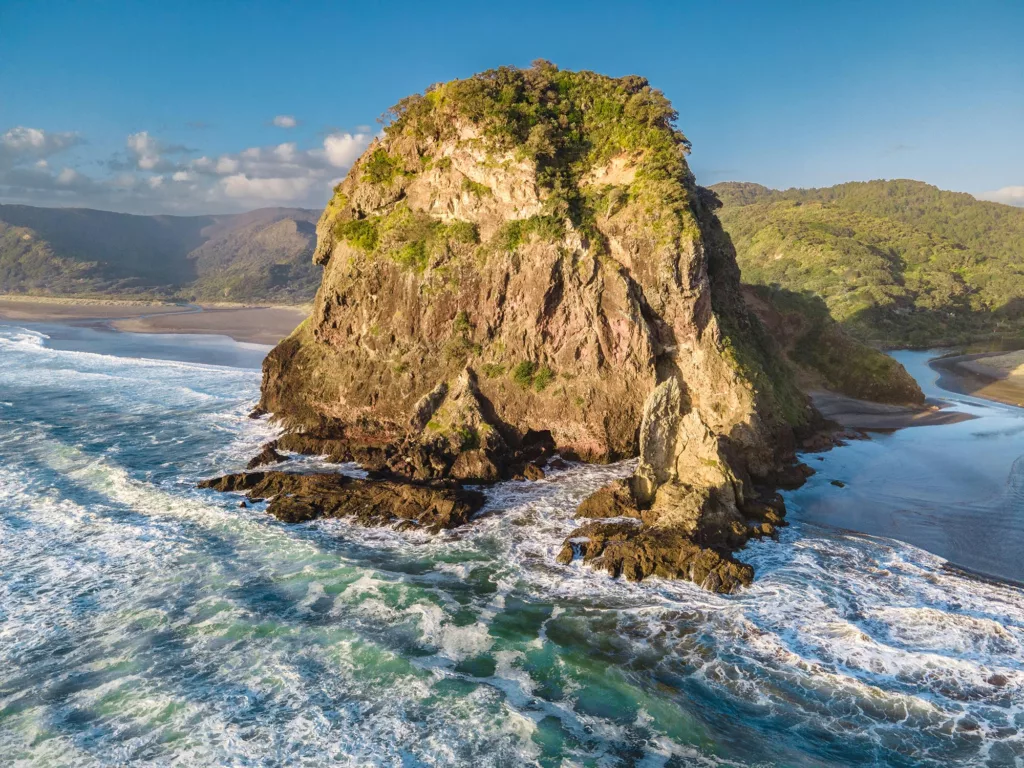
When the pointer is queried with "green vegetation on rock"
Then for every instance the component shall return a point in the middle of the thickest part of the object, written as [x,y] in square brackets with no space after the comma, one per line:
[564,123]
[825,355]
[409,238]
[528,374]
[898,263]
[381,168]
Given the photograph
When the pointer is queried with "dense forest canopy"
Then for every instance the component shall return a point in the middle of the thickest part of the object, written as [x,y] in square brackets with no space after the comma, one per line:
[898,262]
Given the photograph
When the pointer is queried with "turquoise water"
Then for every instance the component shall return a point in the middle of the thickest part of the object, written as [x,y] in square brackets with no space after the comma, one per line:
[145,622]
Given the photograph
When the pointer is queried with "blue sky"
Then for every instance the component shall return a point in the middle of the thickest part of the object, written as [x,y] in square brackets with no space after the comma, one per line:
[170,107]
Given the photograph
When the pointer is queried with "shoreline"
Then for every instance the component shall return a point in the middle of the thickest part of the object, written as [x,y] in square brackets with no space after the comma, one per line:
[976,375]
[260,324]
[866,415]
[256,325]
[994,376]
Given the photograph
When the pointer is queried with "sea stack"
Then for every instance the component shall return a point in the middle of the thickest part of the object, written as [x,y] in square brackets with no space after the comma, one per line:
[524,264]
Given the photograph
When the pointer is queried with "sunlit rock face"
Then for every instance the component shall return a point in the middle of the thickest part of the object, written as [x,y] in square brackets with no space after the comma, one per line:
[523,263]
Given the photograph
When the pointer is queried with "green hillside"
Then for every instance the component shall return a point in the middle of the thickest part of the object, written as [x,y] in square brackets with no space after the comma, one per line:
[260,256]
[897,262]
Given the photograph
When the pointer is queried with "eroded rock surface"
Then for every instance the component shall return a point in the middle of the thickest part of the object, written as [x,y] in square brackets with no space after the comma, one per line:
[297,498]
[524,263]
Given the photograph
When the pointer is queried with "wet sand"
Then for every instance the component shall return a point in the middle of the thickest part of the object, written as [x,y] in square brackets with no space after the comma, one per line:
[991,375]
[864,414]
[259,325]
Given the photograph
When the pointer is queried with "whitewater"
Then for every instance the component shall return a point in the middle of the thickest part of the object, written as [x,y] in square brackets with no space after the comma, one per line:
[145,622]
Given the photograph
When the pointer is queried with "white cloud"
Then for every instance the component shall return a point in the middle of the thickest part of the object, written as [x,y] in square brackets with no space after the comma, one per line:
[285,152]
[285,121]
[68,177]
[1008,195]
[24,139]
[343,149]
[280,190]
[226,165]
[145,149]
[151,175]
[21,144]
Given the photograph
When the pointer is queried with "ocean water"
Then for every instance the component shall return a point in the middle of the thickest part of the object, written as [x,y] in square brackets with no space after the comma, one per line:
[145,622]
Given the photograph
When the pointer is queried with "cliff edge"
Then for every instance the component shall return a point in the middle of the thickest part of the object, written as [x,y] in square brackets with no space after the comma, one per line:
[521,264]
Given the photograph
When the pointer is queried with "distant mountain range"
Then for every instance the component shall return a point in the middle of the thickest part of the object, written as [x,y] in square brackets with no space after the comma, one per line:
[899,263]
[260,256]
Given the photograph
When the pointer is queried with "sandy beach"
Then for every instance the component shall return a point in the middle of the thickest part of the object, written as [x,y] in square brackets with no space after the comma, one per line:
[995,376]
[259,325]
[863,414]
[46,309]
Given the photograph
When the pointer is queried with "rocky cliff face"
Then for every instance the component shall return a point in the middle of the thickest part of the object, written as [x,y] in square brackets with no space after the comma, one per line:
[524,263]
[823,354]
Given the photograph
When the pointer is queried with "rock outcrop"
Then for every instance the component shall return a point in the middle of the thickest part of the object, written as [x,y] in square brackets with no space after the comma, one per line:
[296,498]
[524,263]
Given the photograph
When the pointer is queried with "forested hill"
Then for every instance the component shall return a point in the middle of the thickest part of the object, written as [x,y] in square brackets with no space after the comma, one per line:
[898,262]
[260,256]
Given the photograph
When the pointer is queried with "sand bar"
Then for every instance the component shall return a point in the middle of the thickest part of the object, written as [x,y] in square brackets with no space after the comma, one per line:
[863,414]
[995,376]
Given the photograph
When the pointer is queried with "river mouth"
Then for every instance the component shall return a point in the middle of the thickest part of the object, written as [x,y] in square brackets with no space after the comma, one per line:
[144,621]
[956,490]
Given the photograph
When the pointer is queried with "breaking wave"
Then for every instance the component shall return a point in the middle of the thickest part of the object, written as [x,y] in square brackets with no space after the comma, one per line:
[145,621]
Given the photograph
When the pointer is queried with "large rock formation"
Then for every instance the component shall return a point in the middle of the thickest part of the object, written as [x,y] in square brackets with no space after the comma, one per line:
[523,263]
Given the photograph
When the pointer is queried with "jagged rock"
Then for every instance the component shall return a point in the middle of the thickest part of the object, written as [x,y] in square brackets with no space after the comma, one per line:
[613,500]
[635,551]
[533,472]
[766,509]
[475,466]
[296,498]
[838,483]
[792,476]
[497,288]
[267,455]
[336,449]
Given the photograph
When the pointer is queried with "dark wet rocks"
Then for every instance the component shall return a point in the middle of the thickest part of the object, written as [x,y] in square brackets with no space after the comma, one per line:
[627,538]
[298,498]
[634,552]
[337,447]
[613,500]
[267,455]
[532,472]
[791,477]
